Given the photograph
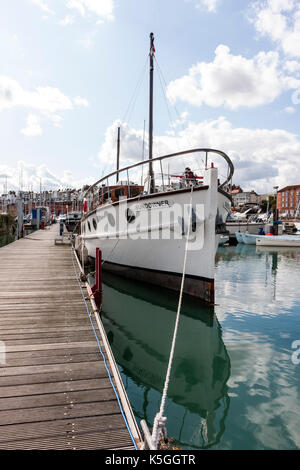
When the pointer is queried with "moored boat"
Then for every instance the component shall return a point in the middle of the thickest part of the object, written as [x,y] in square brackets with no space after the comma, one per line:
[249,239]
[281,240]
[72,220]
[223,239]
[144,230]
[239,237]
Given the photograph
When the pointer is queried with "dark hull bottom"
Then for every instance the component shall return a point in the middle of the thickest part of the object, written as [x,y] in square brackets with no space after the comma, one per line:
[202,288]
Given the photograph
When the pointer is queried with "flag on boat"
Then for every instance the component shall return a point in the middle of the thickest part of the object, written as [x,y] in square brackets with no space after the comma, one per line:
[152,50]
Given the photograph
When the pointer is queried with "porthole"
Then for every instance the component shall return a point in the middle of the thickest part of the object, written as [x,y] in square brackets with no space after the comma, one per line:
[95,224]
[89,226]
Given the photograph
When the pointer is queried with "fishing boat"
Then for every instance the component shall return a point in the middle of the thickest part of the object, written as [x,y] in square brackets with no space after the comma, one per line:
[144,229]
[280,240]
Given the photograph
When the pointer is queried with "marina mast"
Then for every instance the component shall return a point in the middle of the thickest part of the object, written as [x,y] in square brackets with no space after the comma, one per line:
[151,55]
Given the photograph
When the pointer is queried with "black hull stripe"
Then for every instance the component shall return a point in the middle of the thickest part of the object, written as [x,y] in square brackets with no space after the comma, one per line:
[169,273]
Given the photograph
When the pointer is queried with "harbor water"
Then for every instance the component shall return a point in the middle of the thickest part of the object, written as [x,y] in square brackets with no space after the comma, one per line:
[6,238]
[235,378]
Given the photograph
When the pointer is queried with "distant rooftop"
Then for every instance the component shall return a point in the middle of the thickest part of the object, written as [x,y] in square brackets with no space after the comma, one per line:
[286,188]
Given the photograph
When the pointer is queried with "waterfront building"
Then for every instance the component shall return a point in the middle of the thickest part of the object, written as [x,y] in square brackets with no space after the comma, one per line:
[288,201]
[242,198]
[58,201]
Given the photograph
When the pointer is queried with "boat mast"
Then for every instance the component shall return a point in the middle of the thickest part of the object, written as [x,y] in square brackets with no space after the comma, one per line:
[151,55]
[118,155]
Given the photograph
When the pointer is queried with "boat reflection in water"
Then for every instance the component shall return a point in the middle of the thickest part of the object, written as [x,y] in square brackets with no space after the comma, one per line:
[139,322]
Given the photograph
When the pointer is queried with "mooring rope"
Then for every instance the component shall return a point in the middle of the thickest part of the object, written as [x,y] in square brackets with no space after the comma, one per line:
[160,420]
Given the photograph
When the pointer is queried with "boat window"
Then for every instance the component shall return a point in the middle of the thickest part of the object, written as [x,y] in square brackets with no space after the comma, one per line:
[119,192]
[83,228]
[134,192]
[95,224]
[107,194]
[89,225]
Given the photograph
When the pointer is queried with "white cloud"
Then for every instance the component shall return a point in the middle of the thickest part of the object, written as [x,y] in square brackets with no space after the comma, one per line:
[292,66]
[210,5]
[232,81]
[47,100]
[279,20]
[56,120]
[101,8]
[33,127]
[263,158]
[290,110]
[80,101]
[131,144]
[88,40]
[32,175]
[43,5]
[67,20]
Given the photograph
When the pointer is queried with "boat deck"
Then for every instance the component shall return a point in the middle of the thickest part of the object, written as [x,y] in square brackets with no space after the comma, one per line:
[54,388]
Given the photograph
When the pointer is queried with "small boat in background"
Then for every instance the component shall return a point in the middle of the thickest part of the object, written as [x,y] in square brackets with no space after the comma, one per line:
[249,239]
[239,237]
[223,239]
[72,220]
[297,225]
[280,240]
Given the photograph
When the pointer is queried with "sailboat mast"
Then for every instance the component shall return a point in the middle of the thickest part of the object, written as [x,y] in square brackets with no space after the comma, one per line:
[151,174]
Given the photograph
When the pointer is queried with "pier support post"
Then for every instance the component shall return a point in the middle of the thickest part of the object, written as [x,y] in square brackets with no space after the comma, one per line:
[97,287]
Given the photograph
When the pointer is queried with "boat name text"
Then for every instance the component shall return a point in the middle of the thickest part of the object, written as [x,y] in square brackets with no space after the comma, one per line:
[153,205]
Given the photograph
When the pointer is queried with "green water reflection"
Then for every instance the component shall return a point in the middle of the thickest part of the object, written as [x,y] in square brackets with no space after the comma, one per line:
[6,238]
[233,384]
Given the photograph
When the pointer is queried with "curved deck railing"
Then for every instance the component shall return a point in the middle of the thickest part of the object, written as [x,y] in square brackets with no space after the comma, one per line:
[91,190]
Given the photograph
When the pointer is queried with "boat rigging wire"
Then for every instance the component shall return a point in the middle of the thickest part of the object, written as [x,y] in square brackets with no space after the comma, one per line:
[164,88]
[132,101]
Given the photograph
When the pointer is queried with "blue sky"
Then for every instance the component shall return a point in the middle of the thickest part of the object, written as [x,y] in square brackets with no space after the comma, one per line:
[69,69]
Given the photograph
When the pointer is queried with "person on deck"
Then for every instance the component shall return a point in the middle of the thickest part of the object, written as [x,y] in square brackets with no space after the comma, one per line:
[189,176]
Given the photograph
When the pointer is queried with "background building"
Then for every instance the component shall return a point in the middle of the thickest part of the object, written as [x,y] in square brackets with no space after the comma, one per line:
[242,198]
[288,203]
[59,202]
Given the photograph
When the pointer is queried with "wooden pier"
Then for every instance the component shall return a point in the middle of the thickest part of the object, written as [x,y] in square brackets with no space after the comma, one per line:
[55,392]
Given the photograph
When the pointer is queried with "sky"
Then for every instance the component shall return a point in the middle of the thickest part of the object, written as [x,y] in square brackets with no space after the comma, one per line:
[227,76]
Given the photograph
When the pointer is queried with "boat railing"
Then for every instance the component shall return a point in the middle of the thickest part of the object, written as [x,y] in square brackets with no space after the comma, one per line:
[94,193]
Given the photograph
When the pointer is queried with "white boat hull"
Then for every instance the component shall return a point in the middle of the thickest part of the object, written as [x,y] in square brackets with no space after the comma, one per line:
[243,227]
[239,237]
[249,239]
[278,241]
[148,252]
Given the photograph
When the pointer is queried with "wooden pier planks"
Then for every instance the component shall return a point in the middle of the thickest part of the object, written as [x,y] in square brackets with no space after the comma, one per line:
[54,388]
